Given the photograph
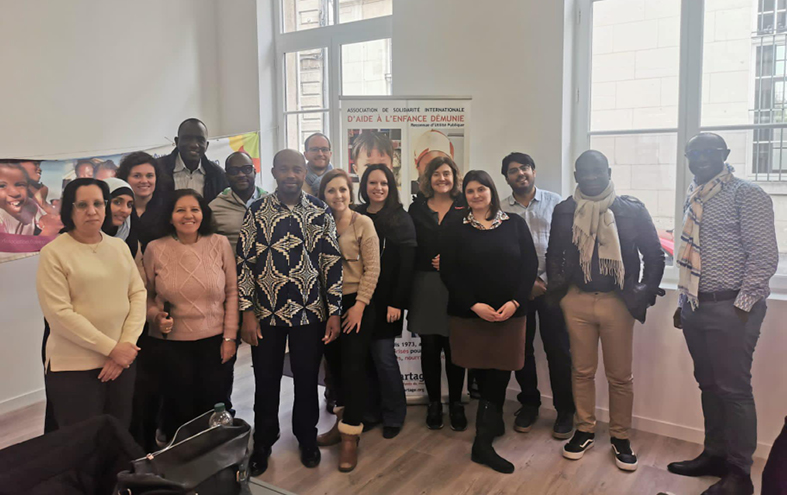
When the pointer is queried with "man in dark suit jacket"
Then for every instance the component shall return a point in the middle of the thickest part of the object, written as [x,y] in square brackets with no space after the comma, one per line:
[188,166]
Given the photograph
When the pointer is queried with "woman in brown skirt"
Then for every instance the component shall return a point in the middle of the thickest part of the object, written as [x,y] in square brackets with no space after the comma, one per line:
[489,264]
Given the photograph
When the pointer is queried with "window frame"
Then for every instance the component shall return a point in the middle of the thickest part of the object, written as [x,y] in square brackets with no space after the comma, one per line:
[330,38]
[692,25]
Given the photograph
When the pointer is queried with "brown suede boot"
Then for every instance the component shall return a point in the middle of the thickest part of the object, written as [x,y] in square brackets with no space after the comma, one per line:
[348,456]
[332,436]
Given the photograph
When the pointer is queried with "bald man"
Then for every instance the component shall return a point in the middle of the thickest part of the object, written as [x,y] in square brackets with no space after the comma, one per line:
[593,268]
[290,291]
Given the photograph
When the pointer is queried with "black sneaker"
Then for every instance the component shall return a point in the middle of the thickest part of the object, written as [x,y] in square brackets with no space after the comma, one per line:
[391,431]
[434,416]
[579,443]
[525,418]
[456,411]
[564,425]
[258,462]
[310,456]
[624,457]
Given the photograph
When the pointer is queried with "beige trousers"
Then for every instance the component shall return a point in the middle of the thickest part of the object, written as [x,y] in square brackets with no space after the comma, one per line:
[591,316]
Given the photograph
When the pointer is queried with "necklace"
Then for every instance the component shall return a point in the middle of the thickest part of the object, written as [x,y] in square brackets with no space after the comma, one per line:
[175,236]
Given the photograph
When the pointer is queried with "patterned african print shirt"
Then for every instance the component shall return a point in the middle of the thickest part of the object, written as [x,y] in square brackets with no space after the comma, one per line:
[289,264]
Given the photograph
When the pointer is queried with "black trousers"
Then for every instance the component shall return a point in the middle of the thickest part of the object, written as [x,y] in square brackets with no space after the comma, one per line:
[50,424]
[492,385]
[148,388]
[554,336]
[432,347]
[194,379]
[306,350]
[78,395]
[347,357]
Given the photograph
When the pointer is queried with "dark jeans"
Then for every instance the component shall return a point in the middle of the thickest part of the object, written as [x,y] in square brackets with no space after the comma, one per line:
[194,380]
[78,395]
[346,359]
[387,401]
[146,408]
[432,347]
[554,336]
[306,349]
[492,385]
[722,347]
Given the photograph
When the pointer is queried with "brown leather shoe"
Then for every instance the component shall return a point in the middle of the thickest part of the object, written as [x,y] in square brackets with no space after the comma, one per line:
[332,436]
[348,455]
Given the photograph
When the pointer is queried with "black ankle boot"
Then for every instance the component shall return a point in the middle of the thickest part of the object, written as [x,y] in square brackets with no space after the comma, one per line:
[735,482]
[487,425]
[704,465]
[434,415]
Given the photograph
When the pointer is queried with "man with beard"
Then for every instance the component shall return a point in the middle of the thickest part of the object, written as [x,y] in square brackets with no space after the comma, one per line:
[536,205]
[317,150]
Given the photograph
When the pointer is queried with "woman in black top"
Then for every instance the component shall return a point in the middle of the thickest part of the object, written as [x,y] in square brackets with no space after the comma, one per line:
[397,246]
[433,209]
[489,264]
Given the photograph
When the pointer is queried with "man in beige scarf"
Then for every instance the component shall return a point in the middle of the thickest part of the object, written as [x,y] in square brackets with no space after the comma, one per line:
[593,265]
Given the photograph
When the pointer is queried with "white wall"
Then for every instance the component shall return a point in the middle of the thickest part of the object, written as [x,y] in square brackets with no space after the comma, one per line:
[82,77]
[517,84]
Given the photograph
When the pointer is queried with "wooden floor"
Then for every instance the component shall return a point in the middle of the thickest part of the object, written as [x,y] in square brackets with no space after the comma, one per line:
[422,461]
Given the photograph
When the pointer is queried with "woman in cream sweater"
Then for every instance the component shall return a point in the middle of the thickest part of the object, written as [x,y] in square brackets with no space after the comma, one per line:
[93,297]
[193,306]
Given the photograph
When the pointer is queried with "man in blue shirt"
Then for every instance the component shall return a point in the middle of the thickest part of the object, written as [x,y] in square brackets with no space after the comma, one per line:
[536,207]
[289,284]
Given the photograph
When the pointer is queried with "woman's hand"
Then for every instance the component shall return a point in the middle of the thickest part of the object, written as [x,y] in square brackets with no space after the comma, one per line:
[485,312]
[228,349]
[506,311]
[393,315]
[164,322]
[352,318]
[110,371]
[124,354]
[436,262]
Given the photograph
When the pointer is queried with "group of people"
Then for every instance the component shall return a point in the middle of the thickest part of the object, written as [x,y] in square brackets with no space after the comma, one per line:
[162,269]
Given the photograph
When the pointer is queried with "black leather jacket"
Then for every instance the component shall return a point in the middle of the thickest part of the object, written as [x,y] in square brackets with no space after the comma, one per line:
[637,235]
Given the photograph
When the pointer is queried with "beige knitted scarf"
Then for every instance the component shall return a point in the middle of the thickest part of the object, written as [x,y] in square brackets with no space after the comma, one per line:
[593,220]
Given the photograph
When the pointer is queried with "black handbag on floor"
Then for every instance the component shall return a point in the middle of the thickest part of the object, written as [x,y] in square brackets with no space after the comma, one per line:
[199,459]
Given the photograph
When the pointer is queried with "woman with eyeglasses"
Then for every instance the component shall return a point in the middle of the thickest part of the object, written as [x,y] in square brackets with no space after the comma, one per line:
[192,302]
[437,206]
[397,245]
[92,295]
[347,355]
[489,264]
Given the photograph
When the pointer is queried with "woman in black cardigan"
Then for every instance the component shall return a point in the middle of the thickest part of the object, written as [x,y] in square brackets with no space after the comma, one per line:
[489,264]
[397,245]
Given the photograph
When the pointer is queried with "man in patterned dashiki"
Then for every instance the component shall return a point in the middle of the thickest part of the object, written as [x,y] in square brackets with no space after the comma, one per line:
[290,285]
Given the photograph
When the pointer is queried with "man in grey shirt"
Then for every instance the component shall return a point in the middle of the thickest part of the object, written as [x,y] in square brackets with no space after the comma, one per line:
[536,206]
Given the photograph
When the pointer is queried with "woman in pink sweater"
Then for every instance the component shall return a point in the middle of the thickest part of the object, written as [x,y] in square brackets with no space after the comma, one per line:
[193,306]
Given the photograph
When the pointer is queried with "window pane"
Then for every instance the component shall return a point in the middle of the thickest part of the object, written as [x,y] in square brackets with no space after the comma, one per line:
[302,125]
[366,68]
[357,10]
[635,64]
[299,15]
[643,166]
[306,83]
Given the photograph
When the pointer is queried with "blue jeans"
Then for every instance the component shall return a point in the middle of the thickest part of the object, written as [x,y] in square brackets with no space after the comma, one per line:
[386,390]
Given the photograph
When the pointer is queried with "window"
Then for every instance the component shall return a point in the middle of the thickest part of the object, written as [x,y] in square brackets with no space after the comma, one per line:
[320,60]
[646,92]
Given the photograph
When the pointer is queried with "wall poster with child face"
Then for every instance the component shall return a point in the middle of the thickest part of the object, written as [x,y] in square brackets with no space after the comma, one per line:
[405,135]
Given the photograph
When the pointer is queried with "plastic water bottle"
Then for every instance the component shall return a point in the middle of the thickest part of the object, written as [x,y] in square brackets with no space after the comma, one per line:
[220,416]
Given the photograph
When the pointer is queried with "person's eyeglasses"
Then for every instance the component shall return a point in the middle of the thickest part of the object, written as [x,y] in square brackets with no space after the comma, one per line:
[84,205]
[707,153]
[516,170]
[319,150]
[245,170]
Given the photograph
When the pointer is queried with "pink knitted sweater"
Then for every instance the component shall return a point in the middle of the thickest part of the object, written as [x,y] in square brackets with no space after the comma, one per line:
[200,282]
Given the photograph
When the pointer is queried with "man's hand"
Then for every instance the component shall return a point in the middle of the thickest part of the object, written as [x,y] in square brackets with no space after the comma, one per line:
[485,312]
[164,322]
[676,319]
[352,318]
[394,314]
[124,354]
[110,371]
[742,315]
[250,329]
[228,349]
[436,262]
[332,329]
[539,289]
[506,311]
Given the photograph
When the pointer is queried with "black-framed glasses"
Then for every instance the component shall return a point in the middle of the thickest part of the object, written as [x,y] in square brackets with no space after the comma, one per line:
[99,204]
[319,150]
[245,170]
[706,153]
